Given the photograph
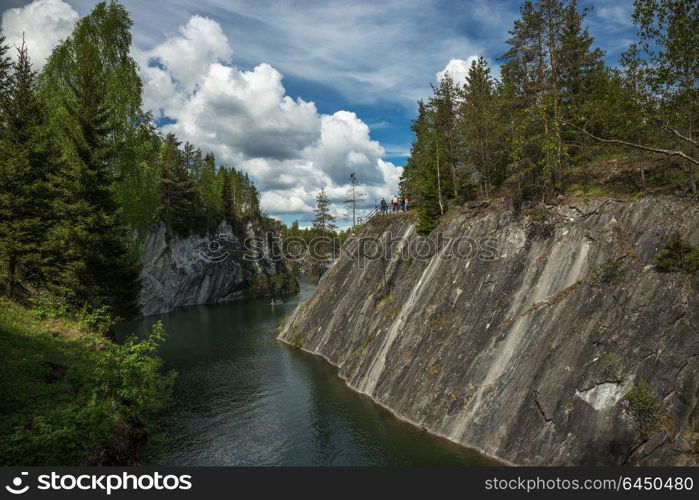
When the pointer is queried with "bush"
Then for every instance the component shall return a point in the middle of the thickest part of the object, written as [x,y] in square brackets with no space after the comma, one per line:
[678,254]
[644,405]
[612,367]
[258,285]
[538,213]
[610,273]
[70,397]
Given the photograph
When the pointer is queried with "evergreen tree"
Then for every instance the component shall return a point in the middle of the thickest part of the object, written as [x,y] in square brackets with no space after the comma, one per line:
[424,157]
[90,264]
[227,197]
[443,106]
[477,115]
[208,192]
[323,221]
[178,190]
[5,70]
[29,160]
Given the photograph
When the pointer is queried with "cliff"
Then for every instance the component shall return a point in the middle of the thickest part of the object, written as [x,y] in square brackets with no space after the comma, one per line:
[521,335]
[211,268]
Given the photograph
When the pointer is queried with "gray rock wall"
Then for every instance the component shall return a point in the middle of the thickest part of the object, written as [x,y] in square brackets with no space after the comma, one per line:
[205,269]
[525,348]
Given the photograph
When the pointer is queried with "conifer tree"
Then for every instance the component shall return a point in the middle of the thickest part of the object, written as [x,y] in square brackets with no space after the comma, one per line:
[178,190]
[28,160]
[90,261]
[477,116]
[227,197]
[323,221]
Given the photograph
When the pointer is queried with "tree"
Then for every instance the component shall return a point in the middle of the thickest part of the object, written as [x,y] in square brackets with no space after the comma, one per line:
[477,115]
[443,106]
[323,227]
[207,186]
[323,221]
[29,159]
[90,260]
[667,31]
[178,191]
[353,196]
[227,197]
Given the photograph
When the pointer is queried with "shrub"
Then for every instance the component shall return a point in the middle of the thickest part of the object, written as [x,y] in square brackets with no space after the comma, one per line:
[45,305]
[678,254]
[644,405]
[538,213]
[258,285]
[612,367]
[610,273]
[71,398]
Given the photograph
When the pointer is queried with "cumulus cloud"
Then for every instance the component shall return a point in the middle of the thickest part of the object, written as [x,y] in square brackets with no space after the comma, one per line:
[246,119]
[43,23]
[458,69]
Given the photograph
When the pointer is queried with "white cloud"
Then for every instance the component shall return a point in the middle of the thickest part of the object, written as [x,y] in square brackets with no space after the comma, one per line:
[246,119]
[458,69]
[43,22]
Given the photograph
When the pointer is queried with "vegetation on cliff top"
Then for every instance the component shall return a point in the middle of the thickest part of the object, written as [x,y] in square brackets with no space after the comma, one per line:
[85,174]
[558,110]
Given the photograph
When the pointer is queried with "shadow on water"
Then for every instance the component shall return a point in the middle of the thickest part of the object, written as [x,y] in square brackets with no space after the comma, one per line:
[242,398]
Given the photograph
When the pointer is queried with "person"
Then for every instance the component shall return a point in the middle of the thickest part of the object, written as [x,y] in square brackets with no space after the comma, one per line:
[395,203]
[402,204]
[406,203]
[384,206]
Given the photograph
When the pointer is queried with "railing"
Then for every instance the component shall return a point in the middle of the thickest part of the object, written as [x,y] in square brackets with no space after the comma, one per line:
[364,219]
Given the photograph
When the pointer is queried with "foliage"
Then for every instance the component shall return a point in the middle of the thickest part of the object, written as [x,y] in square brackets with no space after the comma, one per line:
[538,213]
[555,99]
[678,254]
[612,367]
[611,272]
[644,405]
[70,397]
[258,285]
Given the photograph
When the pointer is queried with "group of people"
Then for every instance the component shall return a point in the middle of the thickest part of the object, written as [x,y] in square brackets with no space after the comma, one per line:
[397,205]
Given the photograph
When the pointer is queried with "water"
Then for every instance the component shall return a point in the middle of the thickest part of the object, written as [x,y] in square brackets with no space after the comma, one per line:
[242,398]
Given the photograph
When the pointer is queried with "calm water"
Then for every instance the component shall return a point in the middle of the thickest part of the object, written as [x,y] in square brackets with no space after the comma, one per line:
[242,398]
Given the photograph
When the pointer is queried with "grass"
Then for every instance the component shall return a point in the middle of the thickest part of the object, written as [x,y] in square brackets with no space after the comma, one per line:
[72,397]
[385,300]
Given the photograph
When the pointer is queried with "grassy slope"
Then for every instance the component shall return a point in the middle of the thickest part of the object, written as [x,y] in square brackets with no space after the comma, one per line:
[69,396]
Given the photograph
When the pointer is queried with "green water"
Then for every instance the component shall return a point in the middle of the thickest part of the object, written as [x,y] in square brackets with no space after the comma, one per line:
[242,398]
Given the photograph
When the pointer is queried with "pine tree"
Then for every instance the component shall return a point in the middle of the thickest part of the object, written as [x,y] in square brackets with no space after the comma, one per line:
[424,156]
[227,197]
[323,221]
[178,190]
[29,160]
[91,263]
[443,106]
[477,116]
[207,186]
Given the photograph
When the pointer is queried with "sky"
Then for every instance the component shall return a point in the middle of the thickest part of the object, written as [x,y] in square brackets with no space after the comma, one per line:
[302,93]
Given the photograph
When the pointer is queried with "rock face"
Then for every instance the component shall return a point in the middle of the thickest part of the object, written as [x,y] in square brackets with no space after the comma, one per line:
[520,335]
[211,268]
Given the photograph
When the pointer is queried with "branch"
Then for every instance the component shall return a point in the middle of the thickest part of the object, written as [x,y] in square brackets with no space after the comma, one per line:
[669,152]
[683,137]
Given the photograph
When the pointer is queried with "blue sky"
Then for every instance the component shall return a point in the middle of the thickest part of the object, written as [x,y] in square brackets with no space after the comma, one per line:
[373,59]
